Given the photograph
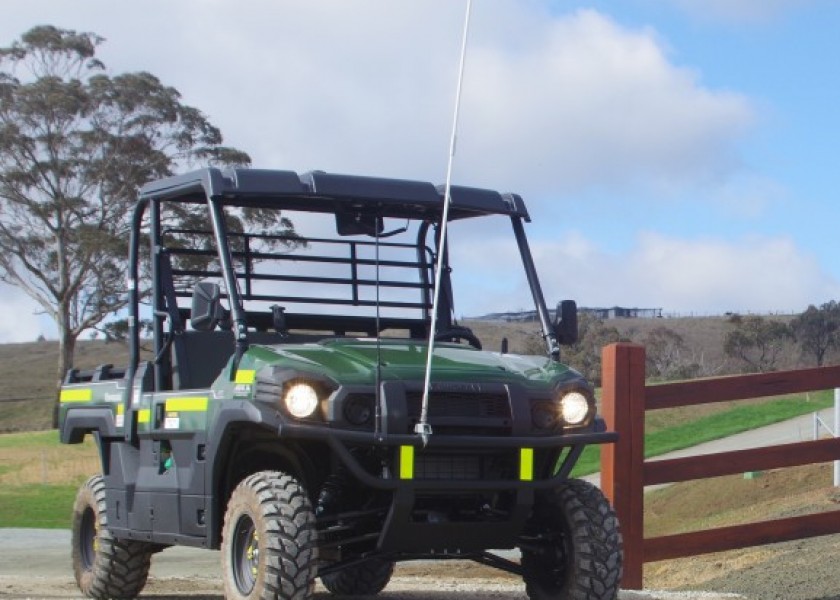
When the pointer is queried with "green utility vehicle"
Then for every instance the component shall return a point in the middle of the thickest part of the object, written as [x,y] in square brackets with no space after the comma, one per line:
[287,416]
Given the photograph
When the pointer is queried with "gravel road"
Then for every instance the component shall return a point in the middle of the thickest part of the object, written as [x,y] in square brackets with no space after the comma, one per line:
[35,563]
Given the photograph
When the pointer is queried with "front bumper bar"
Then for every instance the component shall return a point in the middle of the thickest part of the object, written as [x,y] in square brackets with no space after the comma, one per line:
[339,439]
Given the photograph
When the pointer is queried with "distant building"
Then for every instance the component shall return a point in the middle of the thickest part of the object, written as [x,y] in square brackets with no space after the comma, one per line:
[620,312]
[510,317]
[616,312]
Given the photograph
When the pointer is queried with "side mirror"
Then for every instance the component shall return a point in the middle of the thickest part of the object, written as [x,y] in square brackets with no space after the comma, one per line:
[566,323]
[206,309]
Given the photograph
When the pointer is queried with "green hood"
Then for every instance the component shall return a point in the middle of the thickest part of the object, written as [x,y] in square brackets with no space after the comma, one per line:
[353,361]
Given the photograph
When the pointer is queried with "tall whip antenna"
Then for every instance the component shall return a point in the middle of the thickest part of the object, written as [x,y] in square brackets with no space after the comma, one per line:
[423,427]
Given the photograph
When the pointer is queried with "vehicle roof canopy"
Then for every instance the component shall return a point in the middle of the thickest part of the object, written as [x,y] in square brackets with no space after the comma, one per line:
[317,191]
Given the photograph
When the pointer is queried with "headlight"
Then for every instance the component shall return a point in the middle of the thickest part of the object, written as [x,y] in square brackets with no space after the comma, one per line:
[301,400]
[574,408]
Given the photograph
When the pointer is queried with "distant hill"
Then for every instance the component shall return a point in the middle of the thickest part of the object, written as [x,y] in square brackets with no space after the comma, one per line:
[703,336]
[29,369]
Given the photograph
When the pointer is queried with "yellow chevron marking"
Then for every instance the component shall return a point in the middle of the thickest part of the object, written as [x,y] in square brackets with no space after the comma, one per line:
[245,376]
[76,395]
[190,404]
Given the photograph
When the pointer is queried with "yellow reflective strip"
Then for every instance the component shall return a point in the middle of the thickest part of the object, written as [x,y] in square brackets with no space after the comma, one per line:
[76,395]
[406,462]
[120,409]
[144,415]
[246,376]
[193,404]
[526,464]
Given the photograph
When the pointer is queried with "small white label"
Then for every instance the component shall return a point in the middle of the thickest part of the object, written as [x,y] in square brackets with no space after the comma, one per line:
[120,420]
[172,422]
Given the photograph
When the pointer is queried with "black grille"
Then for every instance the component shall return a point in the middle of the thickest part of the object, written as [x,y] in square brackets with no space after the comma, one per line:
[471,467]
[448,467]
[460,405]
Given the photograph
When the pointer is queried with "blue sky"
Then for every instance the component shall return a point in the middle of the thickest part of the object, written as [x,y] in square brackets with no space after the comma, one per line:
[679,154]
[777,55]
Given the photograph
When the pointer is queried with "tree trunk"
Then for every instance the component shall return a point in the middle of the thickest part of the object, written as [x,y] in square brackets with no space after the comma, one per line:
[66,350]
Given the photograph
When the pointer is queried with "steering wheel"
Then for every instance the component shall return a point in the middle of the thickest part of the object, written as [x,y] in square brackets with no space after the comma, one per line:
[455,334]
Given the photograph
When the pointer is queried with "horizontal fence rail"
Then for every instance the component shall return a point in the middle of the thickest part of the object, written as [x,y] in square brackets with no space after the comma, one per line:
[625,472]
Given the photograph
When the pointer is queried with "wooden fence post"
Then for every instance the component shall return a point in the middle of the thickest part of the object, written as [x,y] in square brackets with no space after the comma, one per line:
[622,463]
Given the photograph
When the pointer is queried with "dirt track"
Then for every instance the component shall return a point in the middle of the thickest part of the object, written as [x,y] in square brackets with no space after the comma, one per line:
[36,564]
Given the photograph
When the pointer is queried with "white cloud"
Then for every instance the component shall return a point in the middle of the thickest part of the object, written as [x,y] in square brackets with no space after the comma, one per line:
[705,276]
[357,87]
[755,273]
[590,103]
[551,102]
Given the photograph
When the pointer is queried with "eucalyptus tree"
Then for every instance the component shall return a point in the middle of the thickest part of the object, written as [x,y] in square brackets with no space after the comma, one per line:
[668,356]
[817,330]
[76,143]
[585,354]
[756,342]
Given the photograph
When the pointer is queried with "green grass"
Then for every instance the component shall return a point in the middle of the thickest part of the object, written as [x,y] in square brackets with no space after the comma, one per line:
[39,478]
[714,427]
[48,506]
[33,439]
[36,505]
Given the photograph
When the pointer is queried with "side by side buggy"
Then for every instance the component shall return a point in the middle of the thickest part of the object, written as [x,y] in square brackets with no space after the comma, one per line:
[283,417]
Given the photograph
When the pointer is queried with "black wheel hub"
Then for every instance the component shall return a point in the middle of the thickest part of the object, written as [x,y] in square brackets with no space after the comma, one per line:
[88,538]
[246,555]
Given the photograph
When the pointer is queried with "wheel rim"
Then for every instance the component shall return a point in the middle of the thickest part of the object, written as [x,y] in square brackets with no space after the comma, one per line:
[88,538]
[549,567]
[246,554]
[558,566]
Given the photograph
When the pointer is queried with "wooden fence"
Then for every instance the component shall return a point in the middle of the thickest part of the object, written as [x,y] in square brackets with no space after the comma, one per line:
[625,473]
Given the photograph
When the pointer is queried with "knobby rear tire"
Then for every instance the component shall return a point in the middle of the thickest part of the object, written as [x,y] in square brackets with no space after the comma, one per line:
[104,566]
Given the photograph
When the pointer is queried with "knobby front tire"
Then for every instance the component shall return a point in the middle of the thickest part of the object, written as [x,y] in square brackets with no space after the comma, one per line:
[269,541]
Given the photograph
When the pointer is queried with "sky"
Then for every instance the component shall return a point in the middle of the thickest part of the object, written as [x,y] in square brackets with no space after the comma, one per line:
[676,154]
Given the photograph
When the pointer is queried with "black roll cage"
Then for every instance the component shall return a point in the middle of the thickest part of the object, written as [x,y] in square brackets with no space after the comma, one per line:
[315,191]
